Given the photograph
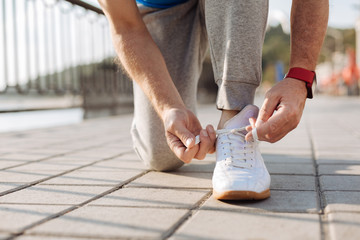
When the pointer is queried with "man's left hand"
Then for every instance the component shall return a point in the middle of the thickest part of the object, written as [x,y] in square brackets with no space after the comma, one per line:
[287,98]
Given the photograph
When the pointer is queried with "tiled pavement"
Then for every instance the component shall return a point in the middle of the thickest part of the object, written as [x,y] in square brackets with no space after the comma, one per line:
[85,182]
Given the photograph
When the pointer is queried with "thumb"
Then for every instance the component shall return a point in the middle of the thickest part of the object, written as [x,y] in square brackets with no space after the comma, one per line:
[185,136]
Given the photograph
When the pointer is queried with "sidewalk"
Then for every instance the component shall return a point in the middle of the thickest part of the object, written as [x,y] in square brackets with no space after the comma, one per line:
[85,182]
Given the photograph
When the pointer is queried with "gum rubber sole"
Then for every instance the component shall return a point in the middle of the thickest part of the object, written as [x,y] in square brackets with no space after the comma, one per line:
[241,195]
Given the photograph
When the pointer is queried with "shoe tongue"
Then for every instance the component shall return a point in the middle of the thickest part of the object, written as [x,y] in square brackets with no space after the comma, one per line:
[242,118]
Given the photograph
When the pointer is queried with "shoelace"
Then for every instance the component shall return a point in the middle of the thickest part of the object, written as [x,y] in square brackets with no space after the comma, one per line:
[239,156]
[220,131]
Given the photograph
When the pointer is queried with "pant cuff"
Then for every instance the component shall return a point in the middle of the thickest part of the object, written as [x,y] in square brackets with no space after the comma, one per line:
[235,95]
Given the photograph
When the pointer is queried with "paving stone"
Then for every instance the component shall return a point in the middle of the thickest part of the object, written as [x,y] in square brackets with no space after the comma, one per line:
[73,160]
[339,169]
[198,166]
[342,201]
[292,182]
[291,143]
[120,165]
[344,226]
[152,197]
[4,235]
[336,144]
[174,180]
[46,151]
[46,166]
[10,163]
[98,153]
[290,168]
[92,176]
[345,183]
[45,237]
[112,222]
[7,186]
[286,151]
[15,217]
[278,158]
[42,194]
[228,225]
[132,156]
[280,201]
[24,156]
[14,176]
[337,158]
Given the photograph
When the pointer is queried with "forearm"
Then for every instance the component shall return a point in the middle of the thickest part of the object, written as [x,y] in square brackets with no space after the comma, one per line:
[309,20]
[144,63]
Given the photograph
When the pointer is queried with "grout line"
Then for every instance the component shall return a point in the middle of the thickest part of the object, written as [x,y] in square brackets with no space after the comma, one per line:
[339,175]
[331,190]
[72,208]
[87,237]
[186,216]
[57,155]
[338,163]
[54,176]
[321,201]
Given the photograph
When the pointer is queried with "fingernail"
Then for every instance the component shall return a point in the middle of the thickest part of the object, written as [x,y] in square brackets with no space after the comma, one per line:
[211,129]
[204,133]
[188,142]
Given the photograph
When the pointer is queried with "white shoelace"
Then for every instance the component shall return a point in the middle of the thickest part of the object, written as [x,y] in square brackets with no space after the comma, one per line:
[220,131]
[239,156]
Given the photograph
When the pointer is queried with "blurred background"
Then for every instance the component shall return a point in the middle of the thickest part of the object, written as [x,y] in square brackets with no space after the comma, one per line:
[57,61]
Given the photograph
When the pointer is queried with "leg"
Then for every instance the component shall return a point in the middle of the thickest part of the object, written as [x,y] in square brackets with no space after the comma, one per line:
[236,34]
[179,33]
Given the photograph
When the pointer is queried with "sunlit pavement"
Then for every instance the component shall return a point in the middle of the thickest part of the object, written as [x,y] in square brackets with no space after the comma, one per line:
[84,181]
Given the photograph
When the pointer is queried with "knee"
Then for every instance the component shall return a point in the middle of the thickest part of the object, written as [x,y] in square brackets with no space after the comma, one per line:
[168,164]
[155,154]
[159,159]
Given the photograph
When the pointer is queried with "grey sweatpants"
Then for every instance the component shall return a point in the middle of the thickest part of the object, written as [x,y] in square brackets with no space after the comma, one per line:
[234,30]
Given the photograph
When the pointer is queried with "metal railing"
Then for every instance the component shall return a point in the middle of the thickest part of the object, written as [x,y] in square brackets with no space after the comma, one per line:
[57,47]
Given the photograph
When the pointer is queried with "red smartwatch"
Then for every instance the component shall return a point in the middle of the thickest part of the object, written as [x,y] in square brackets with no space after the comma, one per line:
[302,74]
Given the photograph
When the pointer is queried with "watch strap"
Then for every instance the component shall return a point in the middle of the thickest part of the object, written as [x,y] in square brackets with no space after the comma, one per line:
[303,75]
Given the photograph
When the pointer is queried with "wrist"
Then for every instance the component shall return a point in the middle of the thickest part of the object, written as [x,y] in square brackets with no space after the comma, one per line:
[170,108]
[297,85]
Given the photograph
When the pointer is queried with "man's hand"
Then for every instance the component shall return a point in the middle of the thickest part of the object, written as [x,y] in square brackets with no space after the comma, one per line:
[181,127]
[287,98]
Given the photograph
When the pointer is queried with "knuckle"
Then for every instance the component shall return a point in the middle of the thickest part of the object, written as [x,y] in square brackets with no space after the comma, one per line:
[268,94]
[170,126]
[264,112]
[273,128]
[293,116]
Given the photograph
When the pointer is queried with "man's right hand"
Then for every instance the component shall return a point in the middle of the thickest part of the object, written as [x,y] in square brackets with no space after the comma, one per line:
[181,127]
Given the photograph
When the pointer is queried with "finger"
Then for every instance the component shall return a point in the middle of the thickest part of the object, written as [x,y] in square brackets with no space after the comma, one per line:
[212,134]
[276,127]
[186,137]
[183,153]
[189,154]
[249,128]
[249,136]
[267,110]
[204,145]
[252,121]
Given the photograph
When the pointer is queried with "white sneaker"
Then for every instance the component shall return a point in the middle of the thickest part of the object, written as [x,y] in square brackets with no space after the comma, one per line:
[240,172]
